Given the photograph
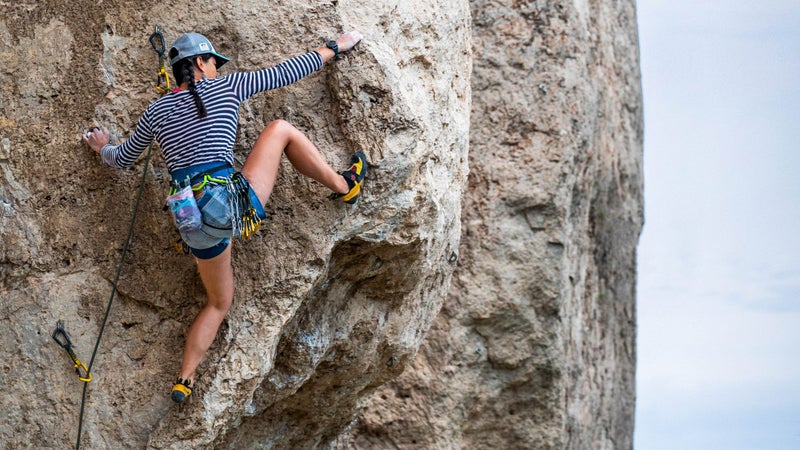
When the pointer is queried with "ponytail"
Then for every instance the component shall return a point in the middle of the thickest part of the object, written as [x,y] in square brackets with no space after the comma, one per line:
[183,70]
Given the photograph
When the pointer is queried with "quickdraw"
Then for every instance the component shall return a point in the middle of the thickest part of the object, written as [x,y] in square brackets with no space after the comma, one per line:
[159,46]
[251,223]
[62,339]
[180,246]
[246,221]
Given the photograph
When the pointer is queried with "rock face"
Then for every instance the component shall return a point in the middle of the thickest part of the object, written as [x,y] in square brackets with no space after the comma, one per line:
[530,346]
[331,301]
[535,345]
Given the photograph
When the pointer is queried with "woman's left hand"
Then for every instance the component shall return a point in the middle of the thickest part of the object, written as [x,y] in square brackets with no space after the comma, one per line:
[348,40]
[96,138]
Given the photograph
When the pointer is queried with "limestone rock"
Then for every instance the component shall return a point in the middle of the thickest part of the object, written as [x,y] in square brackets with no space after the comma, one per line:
[535,345]
[532,345]
[331,300]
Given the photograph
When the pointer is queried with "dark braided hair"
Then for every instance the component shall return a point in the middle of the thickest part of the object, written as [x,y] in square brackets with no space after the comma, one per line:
[183,70]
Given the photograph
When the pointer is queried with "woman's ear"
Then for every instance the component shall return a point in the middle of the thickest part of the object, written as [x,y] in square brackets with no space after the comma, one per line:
[205,69]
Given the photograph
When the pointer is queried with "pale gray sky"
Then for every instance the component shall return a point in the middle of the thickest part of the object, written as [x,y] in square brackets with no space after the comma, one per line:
[719,258]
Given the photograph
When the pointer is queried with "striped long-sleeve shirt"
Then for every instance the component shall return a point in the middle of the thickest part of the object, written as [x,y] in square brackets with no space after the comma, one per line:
[186,139]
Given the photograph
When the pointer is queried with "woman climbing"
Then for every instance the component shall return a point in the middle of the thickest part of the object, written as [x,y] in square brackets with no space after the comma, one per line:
[195,126]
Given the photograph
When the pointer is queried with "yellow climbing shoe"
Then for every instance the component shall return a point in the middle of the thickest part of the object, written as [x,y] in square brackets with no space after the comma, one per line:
[354,177]
[181,390]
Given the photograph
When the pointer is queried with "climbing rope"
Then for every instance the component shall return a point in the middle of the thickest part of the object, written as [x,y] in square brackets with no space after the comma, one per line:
[113,290]
[60,335]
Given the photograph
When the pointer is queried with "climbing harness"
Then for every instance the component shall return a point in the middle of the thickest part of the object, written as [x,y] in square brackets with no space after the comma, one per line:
[60,335]
[245,219]
[159,46]
[62,339]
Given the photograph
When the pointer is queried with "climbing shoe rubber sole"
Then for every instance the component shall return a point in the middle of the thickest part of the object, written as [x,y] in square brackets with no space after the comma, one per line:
[354,177]
[181,391]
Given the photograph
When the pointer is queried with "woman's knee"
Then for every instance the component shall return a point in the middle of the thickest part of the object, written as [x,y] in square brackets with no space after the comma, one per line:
[279,127]
[220,303]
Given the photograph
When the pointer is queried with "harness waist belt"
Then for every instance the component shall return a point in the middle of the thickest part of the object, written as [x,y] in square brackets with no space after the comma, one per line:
[218,170]
[197,172]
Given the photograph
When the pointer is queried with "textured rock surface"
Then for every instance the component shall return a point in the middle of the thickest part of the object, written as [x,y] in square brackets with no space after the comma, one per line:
[331,301]
[535,346]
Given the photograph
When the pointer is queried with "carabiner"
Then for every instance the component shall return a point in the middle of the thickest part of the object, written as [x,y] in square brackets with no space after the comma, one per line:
[87,378]
[159,46]
[60,336]
[162,80]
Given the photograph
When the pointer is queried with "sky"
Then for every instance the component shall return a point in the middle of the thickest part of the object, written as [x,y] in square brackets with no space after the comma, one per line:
[719,257]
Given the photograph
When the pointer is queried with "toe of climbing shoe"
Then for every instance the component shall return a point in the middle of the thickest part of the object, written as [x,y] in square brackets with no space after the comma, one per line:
[354,177]
[181,391]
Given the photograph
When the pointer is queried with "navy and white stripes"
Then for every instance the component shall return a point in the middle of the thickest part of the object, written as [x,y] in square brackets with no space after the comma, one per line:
[186,139]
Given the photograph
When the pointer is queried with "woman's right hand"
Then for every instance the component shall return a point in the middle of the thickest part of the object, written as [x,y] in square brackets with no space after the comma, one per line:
[96,138]
[348,40]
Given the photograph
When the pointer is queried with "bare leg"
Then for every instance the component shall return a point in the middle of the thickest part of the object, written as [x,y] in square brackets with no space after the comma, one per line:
[261,167]
[261,171]
[217,276]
